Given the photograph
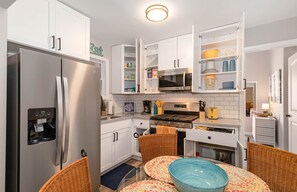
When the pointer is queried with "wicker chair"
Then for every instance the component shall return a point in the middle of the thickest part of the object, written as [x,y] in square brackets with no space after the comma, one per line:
[156,145]
[73,178]
[276,167]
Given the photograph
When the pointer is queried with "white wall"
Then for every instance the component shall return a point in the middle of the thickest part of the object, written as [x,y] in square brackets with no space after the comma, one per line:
[6,3]
[106,48]
[277,62]
[3,48]
[271,32]
[257,68]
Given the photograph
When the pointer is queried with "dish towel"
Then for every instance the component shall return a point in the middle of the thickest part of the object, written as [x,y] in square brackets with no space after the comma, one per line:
[165,130]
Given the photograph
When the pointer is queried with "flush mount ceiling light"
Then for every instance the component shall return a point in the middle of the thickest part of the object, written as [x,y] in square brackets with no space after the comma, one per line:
[156,13]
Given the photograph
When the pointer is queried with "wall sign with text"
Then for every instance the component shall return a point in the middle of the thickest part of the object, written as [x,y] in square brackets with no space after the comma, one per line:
[96,50]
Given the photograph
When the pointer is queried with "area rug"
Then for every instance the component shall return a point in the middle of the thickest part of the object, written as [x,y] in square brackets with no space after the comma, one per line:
[113,178]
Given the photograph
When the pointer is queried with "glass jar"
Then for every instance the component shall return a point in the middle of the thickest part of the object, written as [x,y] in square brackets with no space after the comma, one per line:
[210,81]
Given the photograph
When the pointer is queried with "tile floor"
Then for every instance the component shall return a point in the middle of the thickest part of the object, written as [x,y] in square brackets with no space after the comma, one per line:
[132,162]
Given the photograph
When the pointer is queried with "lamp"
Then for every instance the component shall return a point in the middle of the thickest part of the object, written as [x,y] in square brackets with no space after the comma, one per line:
[265,107]
[156,13]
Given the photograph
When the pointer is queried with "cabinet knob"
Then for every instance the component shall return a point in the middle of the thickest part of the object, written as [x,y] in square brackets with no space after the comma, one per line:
[140,123]
[209,137]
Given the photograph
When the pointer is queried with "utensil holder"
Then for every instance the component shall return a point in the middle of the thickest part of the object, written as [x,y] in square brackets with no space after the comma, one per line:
[202,115]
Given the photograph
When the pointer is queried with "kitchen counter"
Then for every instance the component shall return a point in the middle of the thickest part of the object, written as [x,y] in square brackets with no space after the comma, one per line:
[122,116]
[220,122]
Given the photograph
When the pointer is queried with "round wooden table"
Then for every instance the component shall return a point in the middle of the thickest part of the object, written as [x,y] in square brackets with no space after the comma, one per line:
[157,169]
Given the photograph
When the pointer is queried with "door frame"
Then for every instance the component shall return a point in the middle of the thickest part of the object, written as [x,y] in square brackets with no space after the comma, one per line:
[269,46]
[290,102]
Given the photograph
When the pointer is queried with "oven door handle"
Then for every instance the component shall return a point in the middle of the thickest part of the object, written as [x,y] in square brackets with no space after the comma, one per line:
[184,81]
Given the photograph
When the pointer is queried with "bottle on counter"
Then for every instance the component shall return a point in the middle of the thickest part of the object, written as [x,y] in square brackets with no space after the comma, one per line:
[155,109]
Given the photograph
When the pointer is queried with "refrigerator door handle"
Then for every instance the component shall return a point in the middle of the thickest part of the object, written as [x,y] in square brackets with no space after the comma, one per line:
[60,120]
[67,119]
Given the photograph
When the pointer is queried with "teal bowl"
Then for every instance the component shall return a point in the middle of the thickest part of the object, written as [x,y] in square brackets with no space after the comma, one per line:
[196,175]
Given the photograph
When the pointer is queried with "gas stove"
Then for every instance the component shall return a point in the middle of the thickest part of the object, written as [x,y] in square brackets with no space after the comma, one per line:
[179,115]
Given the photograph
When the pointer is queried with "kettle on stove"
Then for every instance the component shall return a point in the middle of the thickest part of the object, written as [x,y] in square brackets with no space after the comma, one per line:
[213,113]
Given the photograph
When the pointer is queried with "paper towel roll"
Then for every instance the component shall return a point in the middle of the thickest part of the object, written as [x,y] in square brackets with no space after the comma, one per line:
[110,108]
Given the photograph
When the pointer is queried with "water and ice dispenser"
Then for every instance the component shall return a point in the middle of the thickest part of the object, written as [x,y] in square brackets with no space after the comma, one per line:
[41,125]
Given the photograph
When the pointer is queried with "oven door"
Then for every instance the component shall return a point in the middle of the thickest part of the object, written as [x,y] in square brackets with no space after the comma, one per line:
[175,80]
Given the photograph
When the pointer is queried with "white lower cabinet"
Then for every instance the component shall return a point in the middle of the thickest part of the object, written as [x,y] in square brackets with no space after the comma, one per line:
[219,143]
[115,143]
[123,145]
[107,151]
[140,127]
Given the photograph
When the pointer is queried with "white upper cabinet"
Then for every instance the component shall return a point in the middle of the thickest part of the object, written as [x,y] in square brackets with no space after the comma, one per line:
[185,51]
[72,32]
[221,72]
[176,53]
[167,54]
[51,26]
[32,22]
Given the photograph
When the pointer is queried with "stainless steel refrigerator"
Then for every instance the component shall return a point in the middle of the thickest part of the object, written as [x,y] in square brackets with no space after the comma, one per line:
[53,118]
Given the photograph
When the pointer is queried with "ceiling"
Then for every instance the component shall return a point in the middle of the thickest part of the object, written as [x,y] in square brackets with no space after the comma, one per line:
[121,21]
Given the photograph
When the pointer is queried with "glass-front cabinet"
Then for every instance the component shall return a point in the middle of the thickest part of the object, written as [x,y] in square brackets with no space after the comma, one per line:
[218,63]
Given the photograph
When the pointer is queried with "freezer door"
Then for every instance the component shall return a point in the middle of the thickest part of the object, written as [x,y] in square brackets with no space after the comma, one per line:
[82,115]
[38,90]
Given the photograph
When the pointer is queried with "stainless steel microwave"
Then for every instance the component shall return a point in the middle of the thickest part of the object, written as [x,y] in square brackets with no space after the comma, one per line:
[175,80]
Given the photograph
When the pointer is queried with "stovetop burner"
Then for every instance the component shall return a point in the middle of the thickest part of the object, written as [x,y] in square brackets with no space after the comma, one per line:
[175,117]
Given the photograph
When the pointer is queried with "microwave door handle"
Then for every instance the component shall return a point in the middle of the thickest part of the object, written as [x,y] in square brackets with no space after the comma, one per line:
[67,119]
[184,80]
[59,137]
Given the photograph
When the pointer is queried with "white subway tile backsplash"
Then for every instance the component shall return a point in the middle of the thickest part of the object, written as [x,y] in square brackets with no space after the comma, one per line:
[227,103]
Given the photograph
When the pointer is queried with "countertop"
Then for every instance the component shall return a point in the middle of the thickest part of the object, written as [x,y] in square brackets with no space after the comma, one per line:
[122,116]
[220,122]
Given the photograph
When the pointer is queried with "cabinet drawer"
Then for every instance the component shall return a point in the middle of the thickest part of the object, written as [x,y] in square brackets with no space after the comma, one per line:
[212,137]
[265,123]
[265,131]
[112,127]
[265,139]
[140,123]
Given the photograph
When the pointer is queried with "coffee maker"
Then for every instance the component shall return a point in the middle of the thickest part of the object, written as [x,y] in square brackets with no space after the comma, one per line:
[147,106]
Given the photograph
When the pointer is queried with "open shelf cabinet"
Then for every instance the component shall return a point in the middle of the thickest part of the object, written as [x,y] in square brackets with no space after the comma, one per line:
[124,69]
[209,74]
[149,55]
